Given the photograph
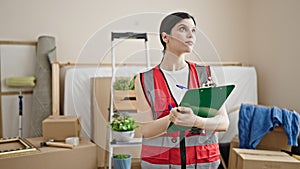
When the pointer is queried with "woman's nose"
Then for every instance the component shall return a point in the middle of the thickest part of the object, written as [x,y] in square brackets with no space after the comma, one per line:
[190,34]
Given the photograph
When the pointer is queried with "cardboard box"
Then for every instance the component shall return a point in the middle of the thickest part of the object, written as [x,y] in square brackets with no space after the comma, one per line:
[125,100]
[275,140]
[61,127]
[232,157]
[82,156]
[263,159]
[100,113]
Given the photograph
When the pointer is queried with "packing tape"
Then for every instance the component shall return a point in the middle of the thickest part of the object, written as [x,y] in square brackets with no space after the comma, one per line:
[72,140]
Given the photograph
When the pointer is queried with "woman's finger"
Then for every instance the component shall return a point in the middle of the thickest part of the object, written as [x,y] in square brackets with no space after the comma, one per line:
[172,117]
[184,109]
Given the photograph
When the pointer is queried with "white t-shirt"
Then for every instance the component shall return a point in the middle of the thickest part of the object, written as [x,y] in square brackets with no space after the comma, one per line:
[179,77]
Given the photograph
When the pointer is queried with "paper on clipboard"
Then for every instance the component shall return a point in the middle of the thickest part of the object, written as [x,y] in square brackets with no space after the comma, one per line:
[204,102]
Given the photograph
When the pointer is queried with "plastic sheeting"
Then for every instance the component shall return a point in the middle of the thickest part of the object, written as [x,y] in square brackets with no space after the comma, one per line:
[41,99]
[78,90]
[245,80]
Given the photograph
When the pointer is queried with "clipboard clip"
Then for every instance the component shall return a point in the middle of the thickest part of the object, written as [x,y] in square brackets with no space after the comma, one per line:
[209,83]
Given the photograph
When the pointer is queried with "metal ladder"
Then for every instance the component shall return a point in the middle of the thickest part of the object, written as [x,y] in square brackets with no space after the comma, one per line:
[114,37]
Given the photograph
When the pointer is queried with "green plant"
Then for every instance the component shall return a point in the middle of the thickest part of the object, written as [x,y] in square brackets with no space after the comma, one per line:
[131,83]
[123,122]
[121,156]
[124,83]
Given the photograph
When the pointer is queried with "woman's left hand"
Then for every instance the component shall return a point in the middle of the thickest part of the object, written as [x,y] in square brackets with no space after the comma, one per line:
[183,116]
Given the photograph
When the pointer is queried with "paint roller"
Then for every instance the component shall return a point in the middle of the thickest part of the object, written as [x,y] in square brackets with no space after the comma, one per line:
[20,82]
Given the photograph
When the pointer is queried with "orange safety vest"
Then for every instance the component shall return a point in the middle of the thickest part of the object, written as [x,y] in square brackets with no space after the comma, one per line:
[176,149]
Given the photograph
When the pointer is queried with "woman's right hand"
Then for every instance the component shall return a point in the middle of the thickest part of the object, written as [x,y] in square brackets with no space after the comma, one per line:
[183,116]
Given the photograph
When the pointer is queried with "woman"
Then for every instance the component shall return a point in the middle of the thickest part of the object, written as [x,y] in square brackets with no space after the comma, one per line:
[158,98]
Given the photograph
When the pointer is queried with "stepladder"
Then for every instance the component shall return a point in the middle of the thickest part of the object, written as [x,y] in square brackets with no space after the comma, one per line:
[115,39]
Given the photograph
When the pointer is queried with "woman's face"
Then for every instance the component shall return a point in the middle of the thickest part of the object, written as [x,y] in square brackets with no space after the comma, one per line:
[182,37]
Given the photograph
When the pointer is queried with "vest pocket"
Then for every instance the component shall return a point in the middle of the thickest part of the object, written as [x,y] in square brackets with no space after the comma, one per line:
[155,154]
[175,158]
[161,104]
[207,153]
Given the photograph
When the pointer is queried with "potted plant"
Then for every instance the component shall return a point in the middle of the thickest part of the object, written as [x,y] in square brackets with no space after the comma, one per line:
[124,94]
[122,161]
[123,127]
[124,83]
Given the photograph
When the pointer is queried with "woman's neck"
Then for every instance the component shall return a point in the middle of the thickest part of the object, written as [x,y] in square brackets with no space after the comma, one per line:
[172,62]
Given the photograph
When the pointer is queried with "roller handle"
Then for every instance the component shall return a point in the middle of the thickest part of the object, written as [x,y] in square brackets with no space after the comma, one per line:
[20,114]
[54,144]
[20,105]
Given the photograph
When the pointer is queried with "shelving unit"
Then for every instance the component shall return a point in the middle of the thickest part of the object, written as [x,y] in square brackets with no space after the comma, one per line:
[114,36]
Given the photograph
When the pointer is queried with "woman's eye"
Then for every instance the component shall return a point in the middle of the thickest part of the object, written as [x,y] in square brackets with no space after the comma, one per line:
[193,30]
[182,29]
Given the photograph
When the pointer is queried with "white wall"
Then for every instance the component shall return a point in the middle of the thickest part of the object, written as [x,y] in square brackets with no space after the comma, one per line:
[73,23]
[274,50]
[263,33]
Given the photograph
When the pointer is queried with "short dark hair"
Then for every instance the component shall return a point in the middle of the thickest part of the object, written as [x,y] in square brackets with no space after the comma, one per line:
[170,21]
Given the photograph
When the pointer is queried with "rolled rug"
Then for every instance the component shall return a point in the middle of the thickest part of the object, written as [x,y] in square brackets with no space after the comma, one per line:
[41,98]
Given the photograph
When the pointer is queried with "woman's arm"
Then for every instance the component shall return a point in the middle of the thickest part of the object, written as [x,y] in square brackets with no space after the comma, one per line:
[220,122]
[186,117]
[149,127]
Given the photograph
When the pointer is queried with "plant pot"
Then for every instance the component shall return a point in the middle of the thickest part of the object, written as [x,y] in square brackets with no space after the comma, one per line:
[122,136]
[124,163]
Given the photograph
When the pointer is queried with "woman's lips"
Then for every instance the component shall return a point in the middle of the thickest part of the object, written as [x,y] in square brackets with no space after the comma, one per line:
[190,43]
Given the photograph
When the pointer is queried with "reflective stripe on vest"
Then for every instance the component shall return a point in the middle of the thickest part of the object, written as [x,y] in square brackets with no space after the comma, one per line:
[158,93]
[165,149]
[212,165]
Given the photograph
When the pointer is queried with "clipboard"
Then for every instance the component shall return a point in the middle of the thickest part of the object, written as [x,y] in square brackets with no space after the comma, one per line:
[205,102]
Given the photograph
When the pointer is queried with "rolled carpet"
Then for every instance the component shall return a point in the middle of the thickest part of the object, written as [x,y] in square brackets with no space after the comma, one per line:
[41,98]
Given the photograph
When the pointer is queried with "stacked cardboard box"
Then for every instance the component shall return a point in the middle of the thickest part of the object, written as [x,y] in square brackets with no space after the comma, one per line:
[82,156]
[264,159]
[61,127]
[125,100]
[274,141]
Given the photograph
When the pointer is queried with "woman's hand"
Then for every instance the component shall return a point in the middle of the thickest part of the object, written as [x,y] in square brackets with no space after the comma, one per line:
[186,117]
[183,116]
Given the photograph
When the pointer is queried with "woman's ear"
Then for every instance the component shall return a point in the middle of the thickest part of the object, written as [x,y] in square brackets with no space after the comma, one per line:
[165,37]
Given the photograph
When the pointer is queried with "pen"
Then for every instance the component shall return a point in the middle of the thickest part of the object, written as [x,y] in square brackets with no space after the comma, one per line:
[181,87]
[170,108]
